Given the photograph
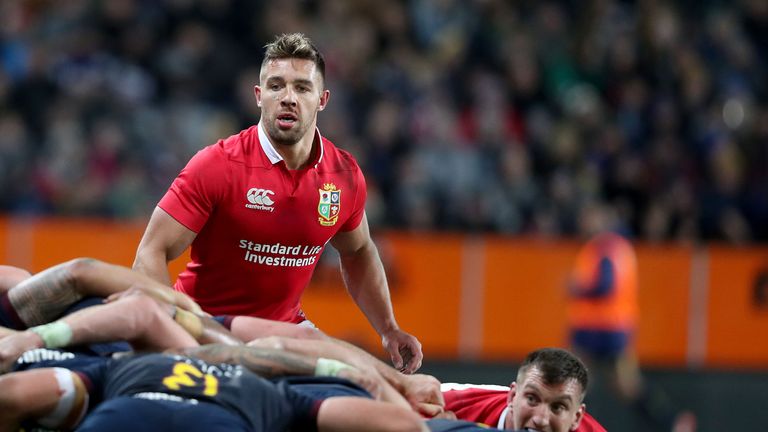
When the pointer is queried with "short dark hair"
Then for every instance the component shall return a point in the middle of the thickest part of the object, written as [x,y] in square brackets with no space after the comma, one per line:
[556,366]
[294,45]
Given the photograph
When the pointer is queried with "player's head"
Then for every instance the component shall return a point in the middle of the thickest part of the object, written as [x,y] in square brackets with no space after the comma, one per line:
[549,392]
[291,88]
[294,46]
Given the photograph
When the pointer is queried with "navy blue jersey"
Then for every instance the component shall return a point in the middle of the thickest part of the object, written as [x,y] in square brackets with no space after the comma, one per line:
[131,414]
[323,387]
[264,405]
[45,358]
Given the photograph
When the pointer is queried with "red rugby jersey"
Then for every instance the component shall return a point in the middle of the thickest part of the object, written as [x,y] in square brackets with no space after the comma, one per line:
[261,228]
[484,404]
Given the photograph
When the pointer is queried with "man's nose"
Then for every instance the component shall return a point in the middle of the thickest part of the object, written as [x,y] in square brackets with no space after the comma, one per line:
[541,417]
[288,97]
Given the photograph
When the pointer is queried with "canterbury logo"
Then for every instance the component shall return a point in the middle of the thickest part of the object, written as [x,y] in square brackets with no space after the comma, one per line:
[259,199]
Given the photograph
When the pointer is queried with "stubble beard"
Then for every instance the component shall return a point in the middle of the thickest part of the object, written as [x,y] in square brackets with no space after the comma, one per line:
[286,137]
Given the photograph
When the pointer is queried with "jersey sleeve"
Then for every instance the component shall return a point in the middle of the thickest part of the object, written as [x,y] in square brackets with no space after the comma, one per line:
[194,194]
[305,408]
[589,424]
[93,375]
[358,207]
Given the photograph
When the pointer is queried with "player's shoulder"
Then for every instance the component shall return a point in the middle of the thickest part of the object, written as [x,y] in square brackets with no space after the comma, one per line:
[237,147]
[337,159]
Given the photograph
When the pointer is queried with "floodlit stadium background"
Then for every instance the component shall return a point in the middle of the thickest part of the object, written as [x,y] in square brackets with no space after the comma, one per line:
[484,128]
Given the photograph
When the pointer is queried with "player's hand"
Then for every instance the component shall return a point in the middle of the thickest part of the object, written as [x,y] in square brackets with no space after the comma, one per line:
[13,346]
[404,349]
[423,393]
[448,415]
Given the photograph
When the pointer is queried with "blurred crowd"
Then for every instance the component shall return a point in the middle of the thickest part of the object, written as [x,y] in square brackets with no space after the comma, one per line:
[499,116]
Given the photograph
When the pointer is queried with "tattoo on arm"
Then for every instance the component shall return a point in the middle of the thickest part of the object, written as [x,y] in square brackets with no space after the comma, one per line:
[44,296]
[263,361]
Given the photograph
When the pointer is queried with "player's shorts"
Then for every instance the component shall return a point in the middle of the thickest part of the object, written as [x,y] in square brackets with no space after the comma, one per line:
[444,425]
[324,387]
[601,344]
[131,414]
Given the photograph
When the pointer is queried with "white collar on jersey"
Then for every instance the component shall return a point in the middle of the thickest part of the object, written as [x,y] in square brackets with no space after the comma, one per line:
[274,156]
[502,418]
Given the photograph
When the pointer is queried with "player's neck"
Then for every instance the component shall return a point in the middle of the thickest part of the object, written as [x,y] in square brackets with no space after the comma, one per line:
[299,155]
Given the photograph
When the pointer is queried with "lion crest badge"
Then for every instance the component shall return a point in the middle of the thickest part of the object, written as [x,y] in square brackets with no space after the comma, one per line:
[329,205]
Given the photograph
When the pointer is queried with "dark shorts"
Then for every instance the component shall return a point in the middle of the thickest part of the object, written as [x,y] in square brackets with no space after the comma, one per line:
[601,344]
[129,414]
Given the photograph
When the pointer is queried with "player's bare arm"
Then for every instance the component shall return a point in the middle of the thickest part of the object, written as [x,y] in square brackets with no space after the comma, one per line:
[46,295]
[264,361]
[248,328]
[163,241]
[366,282]
[37,394]
[11,276]
[347,414]
[421,391]
[138,319]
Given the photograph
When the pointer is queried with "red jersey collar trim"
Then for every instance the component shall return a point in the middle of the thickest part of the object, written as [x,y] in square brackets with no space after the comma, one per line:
[274,156]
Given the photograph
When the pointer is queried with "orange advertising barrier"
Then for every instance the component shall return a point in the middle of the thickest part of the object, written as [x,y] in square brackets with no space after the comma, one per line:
[488,297]
[737,334]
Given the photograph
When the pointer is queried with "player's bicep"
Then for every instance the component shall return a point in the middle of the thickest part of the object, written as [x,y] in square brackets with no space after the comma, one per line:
[53,397]
[350,242]
[166,234]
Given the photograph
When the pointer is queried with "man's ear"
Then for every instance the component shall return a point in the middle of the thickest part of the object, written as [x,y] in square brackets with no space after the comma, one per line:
[257,93]
[324,96]
[579,416]
[512,393]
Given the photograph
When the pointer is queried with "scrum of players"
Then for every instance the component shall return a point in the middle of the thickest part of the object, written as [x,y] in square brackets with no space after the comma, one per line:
[92,346]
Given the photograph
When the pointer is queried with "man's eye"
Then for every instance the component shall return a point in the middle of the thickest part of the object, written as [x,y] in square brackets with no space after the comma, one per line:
[557,409]
[274,87]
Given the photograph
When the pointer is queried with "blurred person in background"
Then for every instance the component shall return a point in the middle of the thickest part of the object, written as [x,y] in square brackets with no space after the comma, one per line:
[259,207]
[603,316]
